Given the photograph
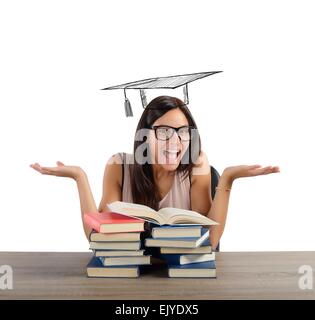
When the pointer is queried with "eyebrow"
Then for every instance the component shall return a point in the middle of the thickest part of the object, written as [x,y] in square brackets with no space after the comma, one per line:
[166,125]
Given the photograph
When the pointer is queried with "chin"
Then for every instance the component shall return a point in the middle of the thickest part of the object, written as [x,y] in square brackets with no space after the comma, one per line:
[170,167]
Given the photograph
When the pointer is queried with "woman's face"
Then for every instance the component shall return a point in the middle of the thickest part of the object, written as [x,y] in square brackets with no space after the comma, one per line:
[168,153]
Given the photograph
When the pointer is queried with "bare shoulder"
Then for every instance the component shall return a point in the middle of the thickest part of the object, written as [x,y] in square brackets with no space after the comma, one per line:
[111,182]
[201,169]
[115,159]
[113,169]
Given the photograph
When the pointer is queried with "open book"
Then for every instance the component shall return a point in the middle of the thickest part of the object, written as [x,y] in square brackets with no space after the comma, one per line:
[171,216]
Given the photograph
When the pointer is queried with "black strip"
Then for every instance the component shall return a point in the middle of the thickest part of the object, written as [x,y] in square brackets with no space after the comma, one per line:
[190,188]
[122,174]
[161,309]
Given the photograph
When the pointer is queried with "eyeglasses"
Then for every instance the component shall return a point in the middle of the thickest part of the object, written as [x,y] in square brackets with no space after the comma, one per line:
[166,132]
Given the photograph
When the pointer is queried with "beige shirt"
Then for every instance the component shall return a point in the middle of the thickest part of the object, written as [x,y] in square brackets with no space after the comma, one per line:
[177,197]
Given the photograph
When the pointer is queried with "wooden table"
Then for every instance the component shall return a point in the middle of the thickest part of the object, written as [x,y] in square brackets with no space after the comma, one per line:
[240,275]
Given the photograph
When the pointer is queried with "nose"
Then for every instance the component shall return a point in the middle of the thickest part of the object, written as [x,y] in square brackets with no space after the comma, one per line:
[175,137]
[175,140]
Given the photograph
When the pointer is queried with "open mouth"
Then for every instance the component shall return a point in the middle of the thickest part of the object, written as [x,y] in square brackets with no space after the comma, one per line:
[172,154]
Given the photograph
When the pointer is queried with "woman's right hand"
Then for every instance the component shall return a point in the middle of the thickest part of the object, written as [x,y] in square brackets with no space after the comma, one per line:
[61,170]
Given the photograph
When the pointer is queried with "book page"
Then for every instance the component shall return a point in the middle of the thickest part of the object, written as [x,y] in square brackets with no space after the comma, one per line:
[121,204]
[176,215]
[134,210]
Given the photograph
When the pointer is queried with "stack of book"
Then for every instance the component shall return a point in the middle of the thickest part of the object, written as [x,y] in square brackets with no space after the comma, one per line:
[186,250]
[183,241]
[116,244]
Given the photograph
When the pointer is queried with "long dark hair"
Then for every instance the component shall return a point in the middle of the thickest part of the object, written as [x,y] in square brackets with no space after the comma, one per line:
[144,189]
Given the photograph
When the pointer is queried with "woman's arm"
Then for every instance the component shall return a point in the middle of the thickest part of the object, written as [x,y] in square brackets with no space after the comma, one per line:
[111,190]
[200,193]
[202,202]
[111,185]
[87,201]
[76,173]
[219,208]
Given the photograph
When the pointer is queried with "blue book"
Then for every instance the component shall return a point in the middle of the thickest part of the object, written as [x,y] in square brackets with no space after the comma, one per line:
[193,231]
[187,242]
[205,247]
[95,269]
[193,270]
[181,259]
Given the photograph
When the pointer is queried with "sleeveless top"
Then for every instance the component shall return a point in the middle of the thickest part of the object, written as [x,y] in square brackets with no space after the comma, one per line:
[177,197]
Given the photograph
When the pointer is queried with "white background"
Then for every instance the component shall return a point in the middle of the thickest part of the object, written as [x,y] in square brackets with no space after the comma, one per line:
[56,55]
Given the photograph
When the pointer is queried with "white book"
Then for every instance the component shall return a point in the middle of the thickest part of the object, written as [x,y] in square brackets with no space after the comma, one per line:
[125,261]
[176,231]
[163,216]
[178,242]
[95,269]
[193,270]
[117,253]
[121,236]
[131,245]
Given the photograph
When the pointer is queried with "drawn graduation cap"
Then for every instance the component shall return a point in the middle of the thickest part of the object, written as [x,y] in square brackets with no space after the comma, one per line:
[170,82]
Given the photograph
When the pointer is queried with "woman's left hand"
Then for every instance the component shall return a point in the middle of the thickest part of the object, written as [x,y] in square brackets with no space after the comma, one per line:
[232,173]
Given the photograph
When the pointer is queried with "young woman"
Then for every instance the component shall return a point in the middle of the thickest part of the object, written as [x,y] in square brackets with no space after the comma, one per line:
[166,169]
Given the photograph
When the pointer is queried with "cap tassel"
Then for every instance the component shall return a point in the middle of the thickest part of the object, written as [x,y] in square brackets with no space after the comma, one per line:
[143,98]
[186,98]
[128,110]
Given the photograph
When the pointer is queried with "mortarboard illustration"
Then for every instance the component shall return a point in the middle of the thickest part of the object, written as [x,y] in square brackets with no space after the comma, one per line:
[170,82]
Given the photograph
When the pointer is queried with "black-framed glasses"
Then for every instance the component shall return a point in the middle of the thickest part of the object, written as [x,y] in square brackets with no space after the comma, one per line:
[165,132]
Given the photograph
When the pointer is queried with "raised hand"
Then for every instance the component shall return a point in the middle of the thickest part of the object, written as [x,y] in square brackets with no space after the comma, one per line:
[61,170]
[242,171]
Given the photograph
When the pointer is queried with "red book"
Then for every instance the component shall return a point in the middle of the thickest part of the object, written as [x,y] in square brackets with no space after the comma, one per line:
[110,222]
